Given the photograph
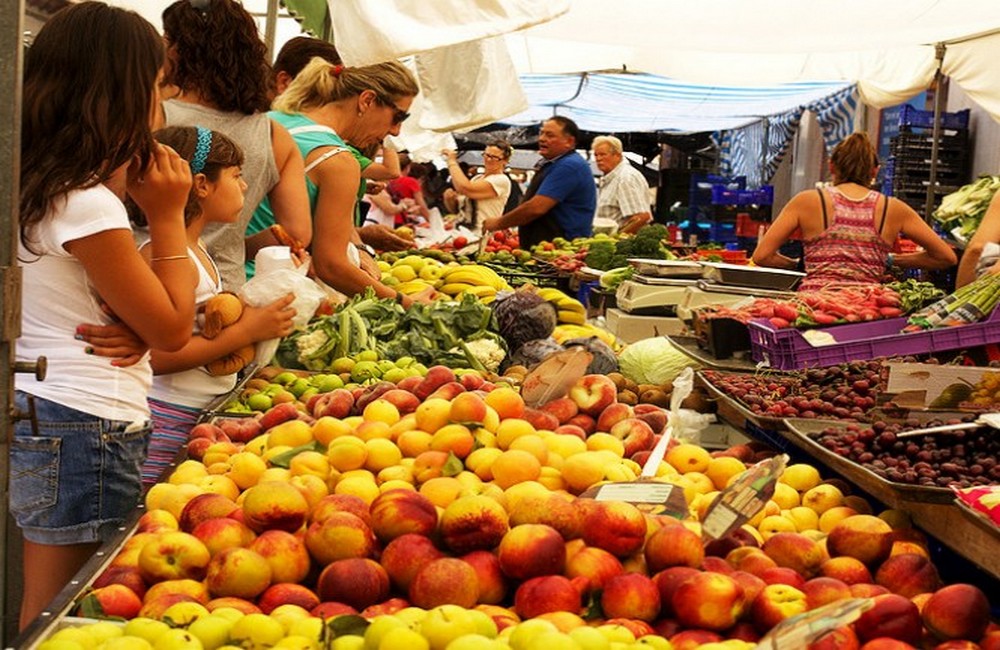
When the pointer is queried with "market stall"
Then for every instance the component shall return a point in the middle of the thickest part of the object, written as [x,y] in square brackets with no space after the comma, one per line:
[496,469]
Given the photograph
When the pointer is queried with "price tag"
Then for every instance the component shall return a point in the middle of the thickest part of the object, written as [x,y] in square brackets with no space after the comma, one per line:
[654,497]
[747,496]
[799,631]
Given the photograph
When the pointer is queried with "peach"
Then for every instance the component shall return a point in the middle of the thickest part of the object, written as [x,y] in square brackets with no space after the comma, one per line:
[472,523]
[153,521]
[571,430]
[594,564]
[515,466]
[433,414]
[405,555]
[687,457]
[820,591]
[436,377]
[540,420]
[756,564]
[358,582]
[238,572]
[404,401]
[892,616]
[654,416]
[339,536]
[274,505]
[454,438]
[173,555]
[635,435]
[448,391]
[667,582]
[593,394]
[428,465]
[122,575]
[507,402]
[673,546]
[751,584]
[847,569]
[612,415]
[867,590]
[340,503]
[547,593]
[398,512]
[155,607]
[864,537]
[531,550]
[693,639]
[710,601]
[337,404]
[842,638]
[563,408]
[554,510]
[116,600]
[222,533]
[795,551]
[775,603]
[194,589]
[631,595]
[445,581]
[332,609]
[492,584]
[285,552]
[467,408]
[414,442]
[615,526]
[783,576]
[958,611]
[908,574]
[585,422]
[287,593]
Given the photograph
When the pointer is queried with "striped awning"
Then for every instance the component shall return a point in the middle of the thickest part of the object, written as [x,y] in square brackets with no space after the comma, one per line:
[619,103]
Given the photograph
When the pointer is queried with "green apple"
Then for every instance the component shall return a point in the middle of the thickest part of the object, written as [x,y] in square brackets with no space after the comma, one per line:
[295,642]
[63,644]
[311,628]
[485,625]
[127,643]
[211,630]
[102,631]
[177,639]
[654,642]
[403,638]
[589,638]
[445,623]
[525,631]
[552,641]
[476,642]
[411,616]
[378,627]
[348,642]
[145,628]
[256,632]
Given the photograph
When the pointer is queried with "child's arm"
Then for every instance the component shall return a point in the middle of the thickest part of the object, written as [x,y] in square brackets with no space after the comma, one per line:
[256,324]
[156,302]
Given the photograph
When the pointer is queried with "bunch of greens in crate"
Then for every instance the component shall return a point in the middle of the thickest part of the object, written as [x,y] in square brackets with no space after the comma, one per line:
[648,243]
[914,294]
[972,303]
[459,335]
[964,208]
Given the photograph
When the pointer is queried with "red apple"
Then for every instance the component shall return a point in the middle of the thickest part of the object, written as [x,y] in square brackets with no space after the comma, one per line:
[115,600]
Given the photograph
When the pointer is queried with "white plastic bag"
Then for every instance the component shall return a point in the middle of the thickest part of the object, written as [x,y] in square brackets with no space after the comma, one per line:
[265,288]
[686,425]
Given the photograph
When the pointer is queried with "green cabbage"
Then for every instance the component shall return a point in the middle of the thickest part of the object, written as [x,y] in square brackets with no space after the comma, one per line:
[653,361]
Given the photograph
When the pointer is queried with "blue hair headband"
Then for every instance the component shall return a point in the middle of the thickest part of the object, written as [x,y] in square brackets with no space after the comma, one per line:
[201,149]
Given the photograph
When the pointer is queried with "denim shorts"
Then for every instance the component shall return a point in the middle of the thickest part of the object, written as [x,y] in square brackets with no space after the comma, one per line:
[76,479]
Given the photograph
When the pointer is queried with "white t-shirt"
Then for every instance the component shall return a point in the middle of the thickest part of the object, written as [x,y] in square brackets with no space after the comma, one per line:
[486,208]
[194,387]
[57,298]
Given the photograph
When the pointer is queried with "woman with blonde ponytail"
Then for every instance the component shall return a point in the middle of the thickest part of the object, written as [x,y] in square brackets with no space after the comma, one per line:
[848,229]
[324,108]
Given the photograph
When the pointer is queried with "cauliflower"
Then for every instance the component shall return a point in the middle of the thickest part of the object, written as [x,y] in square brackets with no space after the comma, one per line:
[310,342]
[488,352]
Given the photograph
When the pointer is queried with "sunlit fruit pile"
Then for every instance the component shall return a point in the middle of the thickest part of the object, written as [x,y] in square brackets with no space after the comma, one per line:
[445,514]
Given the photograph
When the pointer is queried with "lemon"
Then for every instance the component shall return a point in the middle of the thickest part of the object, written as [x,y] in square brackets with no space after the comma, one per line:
[416,262]
[403,272]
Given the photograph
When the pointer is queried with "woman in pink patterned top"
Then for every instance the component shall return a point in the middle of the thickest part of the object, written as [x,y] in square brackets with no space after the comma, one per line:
[848,229]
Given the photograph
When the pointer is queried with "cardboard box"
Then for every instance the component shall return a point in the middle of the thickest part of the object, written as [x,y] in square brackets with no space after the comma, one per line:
[630,328]
[931,386]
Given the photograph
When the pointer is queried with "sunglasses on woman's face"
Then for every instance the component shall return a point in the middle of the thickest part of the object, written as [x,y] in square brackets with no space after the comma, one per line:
[398,115]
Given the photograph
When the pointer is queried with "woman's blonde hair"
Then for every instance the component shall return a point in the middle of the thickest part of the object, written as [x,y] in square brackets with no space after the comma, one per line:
[321,83]
[854,160]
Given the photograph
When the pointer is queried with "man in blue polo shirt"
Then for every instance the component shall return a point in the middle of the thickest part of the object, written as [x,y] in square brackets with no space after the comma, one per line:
[562,197]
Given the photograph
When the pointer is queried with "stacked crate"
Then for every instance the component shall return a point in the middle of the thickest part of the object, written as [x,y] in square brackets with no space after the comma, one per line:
[906,173]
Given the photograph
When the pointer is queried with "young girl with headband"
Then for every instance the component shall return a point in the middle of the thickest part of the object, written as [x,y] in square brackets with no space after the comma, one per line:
[186,380]
[74,461]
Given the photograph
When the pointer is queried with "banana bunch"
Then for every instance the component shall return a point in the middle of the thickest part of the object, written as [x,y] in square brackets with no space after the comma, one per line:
[564,333]
[411,287]
[480,281]
[569,310]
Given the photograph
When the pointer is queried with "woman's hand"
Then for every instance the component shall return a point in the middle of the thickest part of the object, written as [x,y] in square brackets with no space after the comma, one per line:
[162,188]
[491,224]
[450,155]
[382,238]
[271,321]
[116,340]
[995,269]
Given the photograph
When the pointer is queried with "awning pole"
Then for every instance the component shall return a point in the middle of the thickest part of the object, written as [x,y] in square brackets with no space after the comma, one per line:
[270,27]
[939,50]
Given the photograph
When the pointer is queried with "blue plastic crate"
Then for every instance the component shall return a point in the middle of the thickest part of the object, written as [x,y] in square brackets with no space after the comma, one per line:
[910,116]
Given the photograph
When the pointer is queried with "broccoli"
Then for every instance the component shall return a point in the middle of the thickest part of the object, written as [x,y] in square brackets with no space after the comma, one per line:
[601,255]
[646,243]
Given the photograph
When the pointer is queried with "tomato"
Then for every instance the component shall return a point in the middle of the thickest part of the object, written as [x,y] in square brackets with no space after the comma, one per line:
[548,246]
[460,242]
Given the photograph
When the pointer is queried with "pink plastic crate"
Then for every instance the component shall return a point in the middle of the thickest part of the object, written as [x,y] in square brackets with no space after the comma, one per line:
[787,349]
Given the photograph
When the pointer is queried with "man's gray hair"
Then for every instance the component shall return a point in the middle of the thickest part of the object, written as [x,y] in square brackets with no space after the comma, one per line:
[611,141]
